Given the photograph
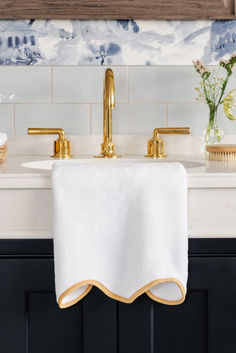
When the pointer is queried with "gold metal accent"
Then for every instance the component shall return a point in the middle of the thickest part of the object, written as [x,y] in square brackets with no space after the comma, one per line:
[155,146]
[108,147]
[61,145]
[145,289]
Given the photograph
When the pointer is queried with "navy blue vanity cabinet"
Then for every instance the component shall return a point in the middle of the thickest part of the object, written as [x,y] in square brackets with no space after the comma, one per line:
[31,322]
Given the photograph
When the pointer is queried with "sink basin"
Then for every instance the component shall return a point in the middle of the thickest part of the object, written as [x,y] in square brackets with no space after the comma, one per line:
[47,164]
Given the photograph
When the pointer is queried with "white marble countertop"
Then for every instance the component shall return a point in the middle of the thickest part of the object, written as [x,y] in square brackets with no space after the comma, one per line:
[206,174]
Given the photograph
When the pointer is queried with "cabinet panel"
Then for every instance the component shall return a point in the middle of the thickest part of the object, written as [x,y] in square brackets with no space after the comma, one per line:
[135,326]
[182,328]
[31,322]
[18,277]
[99,323]
[117,9]
[212,212]
[50,329]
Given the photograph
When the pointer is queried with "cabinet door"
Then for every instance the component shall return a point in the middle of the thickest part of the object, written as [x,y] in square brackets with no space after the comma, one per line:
[118,9]
[206,321]
[31,322]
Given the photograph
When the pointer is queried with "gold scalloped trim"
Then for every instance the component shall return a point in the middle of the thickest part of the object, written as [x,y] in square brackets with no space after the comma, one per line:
[130,300]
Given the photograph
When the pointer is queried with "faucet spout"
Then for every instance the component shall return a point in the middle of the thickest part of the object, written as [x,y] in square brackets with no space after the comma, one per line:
[108,147]
[108,105]
[109,89]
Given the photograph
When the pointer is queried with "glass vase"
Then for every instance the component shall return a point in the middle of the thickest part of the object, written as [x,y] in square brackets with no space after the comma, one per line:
[213,134]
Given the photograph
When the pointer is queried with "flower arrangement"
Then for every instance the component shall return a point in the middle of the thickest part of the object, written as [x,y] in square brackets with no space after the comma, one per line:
[212,91]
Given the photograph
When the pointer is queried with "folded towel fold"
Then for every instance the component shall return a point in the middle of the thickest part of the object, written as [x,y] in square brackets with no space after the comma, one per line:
[122,228]
[3,138]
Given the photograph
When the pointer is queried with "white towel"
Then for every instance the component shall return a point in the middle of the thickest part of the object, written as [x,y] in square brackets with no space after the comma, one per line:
[122,228]
[3,138]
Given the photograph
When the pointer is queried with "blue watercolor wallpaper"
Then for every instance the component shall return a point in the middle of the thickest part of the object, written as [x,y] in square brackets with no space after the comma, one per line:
[128,42]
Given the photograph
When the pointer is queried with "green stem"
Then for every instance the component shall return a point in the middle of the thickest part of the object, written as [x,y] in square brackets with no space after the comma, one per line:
[212,134]
[206,96]
[213,111]
[223,88]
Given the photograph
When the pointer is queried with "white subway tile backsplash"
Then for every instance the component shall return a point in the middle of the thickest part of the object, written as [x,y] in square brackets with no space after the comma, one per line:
[6,119]
[228,126]
[71,97]
[73,118]
[131,118]
[75,84]
[162,84]
[194,116]
[25,84]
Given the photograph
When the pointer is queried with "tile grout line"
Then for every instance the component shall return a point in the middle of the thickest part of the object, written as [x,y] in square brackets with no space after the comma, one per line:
[105,66]
[52,85]
[14,120]
[90,119]
[94,103]
[127,77]
[167,123]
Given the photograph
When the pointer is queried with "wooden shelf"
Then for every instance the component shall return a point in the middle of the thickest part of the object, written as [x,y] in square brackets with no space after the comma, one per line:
[118,9]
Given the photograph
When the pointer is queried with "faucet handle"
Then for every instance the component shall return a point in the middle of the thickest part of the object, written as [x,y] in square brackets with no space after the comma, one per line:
[61,145]
[155,146]
[171,131]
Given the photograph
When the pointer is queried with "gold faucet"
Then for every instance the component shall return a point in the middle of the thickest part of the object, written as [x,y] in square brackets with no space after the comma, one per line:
[155,146]
[108,147]
[61,145]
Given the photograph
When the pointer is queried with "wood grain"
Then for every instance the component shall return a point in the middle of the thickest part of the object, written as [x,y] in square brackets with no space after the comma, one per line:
[221,148]
[117,9]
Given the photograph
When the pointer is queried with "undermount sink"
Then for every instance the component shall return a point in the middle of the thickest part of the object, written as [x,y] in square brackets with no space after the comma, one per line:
[47,164]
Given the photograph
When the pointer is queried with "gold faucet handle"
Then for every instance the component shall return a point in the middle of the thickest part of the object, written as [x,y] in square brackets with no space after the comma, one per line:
[155,146]
[61,145]
[171,131]
[46,131]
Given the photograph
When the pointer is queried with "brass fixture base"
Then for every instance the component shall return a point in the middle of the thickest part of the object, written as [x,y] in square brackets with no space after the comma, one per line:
[157,157]
[107,151]
[114,156]
[62,149]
